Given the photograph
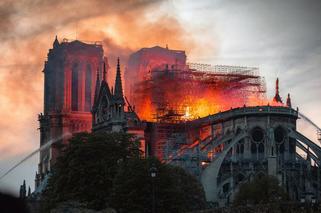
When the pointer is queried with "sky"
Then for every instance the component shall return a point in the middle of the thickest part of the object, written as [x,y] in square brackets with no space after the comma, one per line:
[281,37]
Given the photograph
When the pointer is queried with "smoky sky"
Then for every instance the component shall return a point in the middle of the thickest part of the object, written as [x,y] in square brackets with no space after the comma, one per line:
[27,30]
[27,18]
[281,37]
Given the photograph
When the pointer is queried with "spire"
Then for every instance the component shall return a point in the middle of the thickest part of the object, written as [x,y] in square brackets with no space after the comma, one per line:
[118,92]
[23,190]
[288,101]
[29,191]
[277,97]
[56,42]
[105,72]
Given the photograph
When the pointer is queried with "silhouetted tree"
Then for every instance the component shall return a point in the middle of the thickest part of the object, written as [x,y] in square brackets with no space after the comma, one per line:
[86,169]
[105,170]
[261,190]
[175,190]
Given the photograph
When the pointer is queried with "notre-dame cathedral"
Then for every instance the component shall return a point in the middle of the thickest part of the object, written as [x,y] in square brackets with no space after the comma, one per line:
[223,150]
[77,99]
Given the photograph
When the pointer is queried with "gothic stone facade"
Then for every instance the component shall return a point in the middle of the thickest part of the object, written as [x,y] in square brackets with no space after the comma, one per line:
[109,114]
[227,149]
[69,87]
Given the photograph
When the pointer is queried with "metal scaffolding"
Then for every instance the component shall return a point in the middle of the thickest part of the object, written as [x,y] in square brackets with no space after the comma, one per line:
[172,89]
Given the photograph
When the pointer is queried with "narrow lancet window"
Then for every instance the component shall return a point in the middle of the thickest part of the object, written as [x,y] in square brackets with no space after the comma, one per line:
[74,88]
[88,89]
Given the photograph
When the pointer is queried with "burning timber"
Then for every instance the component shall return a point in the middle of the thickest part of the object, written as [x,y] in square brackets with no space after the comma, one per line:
[173,90]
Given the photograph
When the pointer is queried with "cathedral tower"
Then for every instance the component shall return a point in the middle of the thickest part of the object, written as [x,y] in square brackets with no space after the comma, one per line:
[69,88]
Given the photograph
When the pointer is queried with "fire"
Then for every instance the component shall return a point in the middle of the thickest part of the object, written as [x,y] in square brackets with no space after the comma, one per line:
[180,105]
[146,110]
[187,114]
[165,88]
[202,107]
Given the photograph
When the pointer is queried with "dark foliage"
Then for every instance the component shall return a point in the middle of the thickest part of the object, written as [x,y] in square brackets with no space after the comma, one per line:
[105,170]
[86,170]
[175,190]
[262,190]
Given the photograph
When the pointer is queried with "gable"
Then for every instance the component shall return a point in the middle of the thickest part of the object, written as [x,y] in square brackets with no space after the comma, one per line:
[103,92]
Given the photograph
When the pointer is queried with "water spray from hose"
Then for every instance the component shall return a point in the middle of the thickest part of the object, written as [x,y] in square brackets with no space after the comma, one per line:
[43,147]
[311,122]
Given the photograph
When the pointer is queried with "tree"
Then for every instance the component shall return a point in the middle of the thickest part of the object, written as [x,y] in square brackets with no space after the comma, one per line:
[175,190]
[105,170]
[86,169]
[263,189]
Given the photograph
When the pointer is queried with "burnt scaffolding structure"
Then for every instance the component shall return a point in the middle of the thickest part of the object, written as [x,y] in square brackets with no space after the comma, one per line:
[171,88]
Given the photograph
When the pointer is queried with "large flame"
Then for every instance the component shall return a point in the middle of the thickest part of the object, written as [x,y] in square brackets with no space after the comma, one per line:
[175,100]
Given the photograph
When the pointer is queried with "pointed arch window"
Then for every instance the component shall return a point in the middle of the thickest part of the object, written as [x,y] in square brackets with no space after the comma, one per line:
[88,82]
[74,87]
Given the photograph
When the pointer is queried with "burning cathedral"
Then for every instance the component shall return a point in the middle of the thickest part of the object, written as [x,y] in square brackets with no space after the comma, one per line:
[213,121]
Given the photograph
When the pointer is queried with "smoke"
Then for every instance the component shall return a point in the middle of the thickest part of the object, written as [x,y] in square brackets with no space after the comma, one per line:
[27,30]
[28,18]
[125,34]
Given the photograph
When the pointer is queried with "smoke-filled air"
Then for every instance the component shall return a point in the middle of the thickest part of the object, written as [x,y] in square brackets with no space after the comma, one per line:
[27,30]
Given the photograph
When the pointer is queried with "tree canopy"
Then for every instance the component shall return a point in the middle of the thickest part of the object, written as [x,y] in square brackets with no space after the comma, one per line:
[262,189]
[106,170]
[174,189]
[86,169]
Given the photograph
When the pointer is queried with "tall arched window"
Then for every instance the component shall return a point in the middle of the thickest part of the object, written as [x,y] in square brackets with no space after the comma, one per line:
[88,89]
[74,87]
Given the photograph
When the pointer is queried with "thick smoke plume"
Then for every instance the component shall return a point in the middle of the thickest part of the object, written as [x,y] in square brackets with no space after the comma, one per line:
[27,30]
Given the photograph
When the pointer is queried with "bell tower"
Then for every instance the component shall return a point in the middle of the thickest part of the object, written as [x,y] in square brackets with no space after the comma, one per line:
[69,88]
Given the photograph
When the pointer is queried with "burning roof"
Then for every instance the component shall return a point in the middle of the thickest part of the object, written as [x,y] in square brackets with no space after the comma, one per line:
[165,88]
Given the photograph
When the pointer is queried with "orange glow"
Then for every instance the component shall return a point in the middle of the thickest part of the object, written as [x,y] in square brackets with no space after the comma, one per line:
[194,107]
[170,99]
[146,110]
[122,27]
[274,103]
[165,88]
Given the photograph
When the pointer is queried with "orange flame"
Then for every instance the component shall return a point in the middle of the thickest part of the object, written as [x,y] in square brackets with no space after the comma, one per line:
[181,104]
